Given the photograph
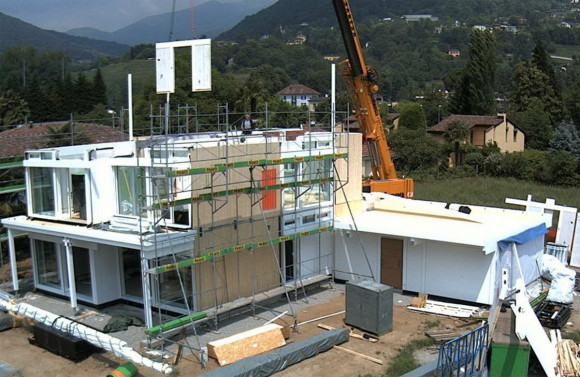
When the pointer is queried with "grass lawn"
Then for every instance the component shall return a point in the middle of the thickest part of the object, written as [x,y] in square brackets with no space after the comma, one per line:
[492,192]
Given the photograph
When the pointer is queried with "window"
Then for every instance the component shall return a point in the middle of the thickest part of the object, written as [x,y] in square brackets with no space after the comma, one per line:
[515,135]
[48,270]
[42,191]
[130,190]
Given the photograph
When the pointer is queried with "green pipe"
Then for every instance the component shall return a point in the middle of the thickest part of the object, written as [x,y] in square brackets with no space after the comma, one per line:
[175,323]
[124,370]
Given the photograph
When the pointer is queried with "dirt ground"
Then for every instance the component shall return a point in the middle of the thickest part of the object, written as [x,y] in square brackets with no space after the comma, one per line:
[36,362]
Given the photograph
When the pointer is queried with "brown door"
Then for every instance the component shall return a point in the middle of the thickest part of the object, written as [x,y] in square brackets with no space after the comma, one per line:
[392,262]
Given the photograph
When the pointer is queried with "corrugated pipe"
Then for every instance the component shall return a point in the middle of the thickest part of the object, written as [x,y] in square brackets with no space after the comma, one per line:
[117,346]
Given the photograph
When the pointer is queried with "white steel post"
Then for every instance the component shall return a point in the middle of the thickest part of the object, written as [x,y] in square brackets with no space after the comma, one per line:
[13,265]
[130,94]
[333,97]
[71,273]
[146,291]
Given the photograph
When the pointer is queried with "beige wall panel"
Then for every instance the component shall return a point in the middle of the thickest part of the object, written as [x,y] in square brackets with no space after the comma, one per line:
[350,168]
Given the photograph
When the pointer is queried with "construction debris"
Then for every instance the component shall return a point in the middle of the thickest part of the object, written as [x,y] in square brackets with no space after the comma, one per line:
[245,344]
[446,309]
[442,335]
[568,362]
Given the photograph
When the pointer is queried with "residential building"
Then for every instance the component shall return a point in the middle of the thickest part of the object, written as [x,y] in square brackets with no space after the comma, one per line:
[298,95]
[484,129]
[454,52]
[418,17]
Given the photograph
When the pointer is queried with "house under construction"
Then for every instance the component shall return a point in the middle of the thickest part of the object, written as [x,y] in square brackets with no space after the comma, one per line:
[186,222]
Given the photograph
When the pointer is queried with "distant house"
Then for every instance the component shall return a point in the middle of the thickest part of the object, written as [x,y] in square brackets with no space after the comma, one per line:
[299,95]
[480,27]
[454,52]
[418,17]
[509,28]
[331,58]
[485,129]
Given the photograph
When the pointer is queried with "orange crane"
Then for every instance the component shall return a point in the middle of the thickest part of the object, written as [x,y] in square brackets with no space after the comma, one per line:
[361,83]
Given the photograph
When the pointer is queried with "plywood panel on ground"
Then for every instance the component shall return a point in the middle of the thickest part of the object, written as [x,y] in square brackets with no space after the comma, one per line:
[248,343]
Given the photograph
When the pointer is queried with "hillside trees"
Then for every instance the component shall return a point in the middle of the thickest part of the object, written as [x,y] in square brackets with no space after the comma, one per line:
[13,109]
[475,93]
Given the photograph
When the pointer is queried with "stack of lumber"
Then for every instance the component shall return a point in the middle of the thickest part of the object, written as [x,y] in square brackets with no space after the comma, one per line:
[568,361]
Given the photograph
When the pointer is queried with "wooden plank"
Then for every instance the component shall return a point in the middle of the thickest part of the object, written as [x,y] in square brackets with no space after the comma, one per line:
[359,354]
[246,344]
[442,335]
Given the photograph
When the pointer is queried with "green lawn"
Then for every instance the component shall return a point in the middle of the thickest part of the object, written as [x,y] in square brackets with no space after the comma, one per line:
[492,192]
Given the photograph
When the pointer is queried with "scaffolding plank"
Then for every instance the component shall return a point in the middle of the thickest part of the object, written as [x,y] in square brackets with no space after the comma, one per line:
[245,344]
[13,188]
[9,165]
[246,246]
[258,162]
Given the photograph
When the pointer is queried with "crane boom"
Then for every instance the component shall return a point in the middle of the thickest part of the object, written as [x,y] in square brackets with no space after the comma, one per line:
[361,83]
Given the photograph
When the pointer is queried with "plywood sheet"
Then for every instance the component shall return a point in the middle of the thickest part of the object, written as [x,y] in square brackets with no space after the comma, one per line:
[248,343]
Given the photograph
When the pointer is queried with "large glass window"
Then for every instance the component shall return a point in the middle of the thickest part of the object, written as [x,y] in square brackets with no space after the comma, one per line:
[82,264]
[132,273]
[47,264]
[42,191]
[176,287]
[317,192]
[130,190]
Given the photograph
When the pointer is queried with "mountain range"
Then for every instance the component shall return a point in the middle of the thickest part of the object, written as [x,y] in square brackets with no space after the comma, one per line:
[15,32]
[210,19]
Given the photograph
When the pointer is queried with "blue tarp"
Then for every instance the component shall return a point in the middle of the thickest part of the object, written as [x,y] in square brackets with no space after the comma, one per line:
[524,236]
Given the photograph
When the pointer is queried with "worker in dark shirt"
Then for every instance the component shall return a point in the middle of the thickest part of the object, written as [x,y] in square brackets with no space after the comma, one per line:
[248,124]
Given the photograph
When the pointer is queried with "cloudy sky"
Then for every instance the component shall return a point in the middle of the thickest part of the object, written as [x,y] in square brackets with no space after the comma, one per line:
[106,15]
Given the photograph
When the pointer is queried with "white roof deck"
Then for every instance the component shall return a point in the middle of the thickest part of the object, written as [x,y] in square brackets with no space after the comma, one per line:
[423,220]
[172,241]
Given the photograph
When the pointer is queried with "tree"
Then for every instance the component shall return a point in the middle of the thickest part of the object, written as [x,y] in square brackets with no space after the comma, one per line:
[99,92]
[456,134]
[414,150]
[566,139]
[475,93]
[250,95]
[541,60]
[13,109]
[528,83]
[412,116]
[535,121]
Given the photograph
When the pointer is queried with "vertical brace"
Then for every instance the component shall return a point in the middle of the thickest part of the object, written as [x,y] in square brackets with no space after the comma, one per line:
[71,273]
[13,262]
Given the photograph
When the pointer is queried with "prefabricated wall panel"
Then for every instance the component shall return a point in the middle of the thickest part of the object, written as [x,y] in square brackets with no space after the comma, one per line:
[348,172]
[455,271]
[107,276]
[241,273]
[315,255]
[350,255]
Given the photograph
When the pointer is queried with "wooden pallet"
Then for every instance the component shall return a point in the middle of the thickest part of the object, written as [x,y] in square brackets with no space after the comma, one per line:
[442,335]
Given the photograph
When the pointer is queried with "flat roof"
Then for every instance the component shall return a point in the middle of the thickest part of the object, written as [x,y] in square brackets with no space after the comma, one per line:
[424,220]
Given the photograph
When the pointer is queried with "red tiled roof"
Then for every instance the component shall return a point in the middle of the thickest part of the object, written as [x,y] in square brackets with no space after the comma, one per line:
[469,120]
[15,141]
[297,90]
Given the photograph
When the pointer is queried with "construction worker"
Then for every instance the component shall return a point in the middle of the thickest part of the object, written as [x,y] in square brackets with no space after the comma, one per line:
[248,124]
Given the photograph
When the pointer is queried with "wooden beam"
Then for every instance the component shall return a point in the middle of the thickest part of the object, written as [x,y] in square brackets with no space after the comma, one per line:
[359,354]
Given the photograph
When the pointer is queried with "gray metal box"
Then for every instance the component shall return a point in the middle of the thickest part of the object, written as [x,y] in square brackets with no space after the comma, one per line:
[369,306]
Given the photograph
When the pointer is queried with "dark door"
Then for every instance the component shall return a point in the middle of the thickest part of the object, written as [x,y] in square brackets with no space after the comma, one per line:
[392,262]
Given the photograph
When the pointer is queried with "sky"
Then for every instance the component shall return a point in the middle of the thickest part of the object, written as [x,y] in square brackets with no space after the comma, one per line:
[105,15]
